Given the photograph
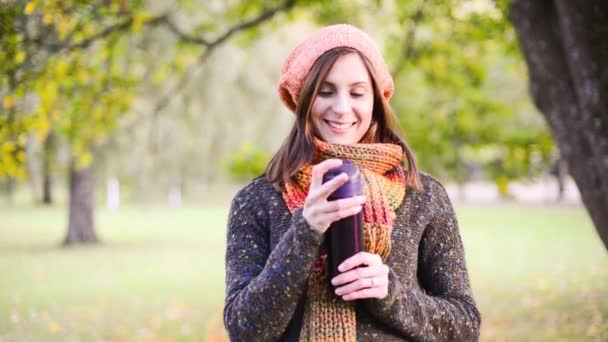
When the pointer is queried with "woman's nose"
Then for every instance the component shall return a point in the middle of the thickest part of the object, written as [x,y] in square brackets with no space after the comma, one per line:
[341,105]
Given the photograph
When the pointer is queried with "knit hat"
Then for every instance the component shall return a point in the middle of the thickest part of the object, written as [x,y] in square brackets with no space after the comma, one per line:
[298,63]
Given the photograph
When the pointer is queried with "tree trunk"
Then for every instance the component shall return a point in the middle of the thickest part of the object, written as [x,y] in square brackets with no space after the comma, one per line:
[564,44]
[10,190]
[48,154]
[561,172]
[81,225]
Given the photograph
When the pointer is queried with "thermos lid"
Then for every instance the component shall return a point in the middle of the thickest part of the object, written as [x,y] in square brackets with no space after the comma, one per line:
[352,187]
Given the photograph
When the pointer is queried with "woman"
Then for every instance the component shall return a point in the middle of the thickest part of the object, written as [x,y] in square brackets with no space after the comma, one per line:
[411,283]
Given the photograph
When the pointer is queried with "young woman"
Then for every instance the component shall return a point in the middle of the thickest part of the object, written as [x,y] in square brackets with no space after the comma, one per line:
[410,283]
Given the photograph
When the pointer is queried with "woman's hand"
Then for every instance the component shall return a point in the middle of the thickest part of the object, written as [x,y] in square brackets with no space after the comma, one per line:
[318,211]
[363,275]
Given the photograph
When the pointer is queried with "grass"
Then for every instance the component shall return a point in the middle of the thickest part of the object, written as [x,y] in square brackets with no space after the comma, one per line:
[539,273]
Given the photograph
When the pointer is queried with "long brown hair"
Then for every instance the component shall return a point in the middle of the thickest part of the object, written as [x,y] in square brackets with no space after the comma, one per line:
[297,148]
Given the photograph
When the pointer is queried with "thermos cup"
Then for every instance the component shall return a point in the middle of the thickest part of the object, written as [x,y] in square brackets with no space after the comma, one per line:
[345,236]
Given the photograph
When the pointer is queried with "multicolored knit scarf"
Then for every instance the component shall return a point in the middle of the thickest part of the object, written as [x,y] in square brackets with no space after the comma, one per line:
[326,316]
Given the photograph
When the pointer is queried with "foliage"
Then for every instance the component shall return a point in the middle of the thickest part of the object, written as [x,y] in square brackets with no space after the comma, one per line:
[460,85]
[77,68]
[72,67]
[249,162]
[461,95]
[59,75]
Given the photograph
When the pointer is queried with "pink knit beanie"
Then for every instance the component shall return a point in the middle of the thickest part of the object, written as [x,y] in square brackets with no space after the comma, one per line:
[299,62]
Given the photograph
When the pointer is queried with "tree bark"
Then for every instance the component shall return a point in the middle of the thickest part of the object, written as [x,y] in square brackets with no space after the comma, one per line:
[48,153]
[566,51]
[81,224]
[9,186]
[560,172]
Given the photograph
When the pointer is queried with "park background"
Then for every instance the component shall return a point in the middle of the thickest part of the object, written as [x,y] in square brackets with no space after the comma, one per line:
[126,127]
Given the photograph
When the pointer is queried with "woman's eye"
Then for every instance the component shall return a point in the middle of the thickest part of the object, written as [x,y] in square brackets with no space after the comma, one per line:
[356,94]
[325,93]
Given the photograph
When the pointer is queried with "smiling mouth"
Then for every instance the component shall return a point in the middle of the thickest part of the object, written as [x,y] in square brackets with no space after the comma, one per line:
[338,125]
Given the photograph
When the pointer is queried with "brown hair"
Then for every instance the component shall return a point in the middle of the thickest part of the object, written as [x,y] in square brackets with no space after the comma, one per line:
[297,148]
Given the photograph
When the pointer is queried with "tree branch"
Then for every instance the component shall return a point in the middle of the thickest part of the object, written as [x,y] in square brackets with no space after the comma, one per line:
[164,19]
[264,16]
[125,24]
[210,46]
[184,37]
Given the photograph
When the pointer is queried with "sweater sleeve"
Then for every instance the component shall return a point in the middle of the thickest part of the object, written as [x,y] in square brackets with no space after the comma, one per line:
[445,309]
[262,285]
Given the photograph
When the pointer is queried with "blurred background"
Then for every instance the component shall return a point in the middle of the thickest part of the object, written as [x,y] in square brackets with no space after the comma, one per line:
[126,127]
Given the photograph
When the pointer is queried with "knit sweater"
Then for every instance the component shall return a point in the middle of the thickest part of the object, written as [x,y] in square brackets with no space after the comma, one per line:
[270,253]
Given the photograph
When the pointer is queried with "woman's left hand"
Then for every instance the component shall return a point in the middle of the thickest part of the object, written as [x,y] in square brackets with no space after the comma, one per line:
[363,275]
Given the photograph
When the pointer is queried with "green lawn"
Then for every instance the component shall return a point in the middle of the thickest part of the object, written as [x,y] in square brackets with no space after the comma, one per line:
[538,273]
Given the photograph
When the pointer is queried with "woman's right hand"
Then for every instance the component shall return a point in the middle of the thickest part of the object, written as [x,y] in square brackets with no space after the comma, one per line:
[318,211]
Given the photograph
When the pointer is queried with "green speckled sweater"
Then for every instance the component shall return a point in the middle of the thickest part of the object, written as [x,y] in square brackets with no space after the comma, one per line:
[270,253]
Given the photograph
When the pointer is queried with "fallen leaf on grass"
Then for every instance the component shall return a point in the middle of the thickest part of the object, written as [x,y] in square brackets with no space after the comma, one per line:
[53,327]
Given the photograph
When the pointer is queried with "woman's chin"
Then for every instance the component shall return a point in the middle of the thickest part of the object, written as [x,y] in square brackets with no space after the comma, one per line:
[340,140]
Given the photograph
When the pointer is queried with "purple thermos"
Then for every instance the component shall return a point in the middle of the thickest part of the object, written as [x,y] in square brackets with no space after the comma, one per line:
[345,236]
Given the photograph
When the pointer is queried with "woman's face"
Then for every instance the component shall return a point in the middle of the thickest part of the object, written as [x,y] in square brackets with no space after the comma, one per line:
[342,111]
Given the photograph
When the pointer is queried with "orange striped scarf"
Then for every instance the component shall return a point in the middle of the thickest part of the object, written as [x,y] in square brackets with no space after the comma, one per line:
[326,316]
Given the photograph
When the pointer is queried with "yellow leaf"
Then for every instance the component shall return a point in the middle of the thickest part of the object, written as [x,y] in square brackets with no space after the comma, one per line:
[29,8]
[62,68]
[85,159]
[43,128]
[20,156]
[63,26]
[139,20]
[53,327]
[8,146]
[83,77]
[88,29]
[97,113]
[21,174]
[8,101]
[20,56]
[47,19]
[48,94]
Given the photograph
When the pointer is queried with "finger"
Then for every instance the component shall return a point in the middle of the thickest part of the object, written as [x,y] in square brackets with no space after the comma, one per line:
[374,292]
[360,284]
[360,272]
[319,170]
[329,212]
[340,214]
[325,219]
[328,188]
[342,204]
[361,258]
[323,191]
[319,213]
